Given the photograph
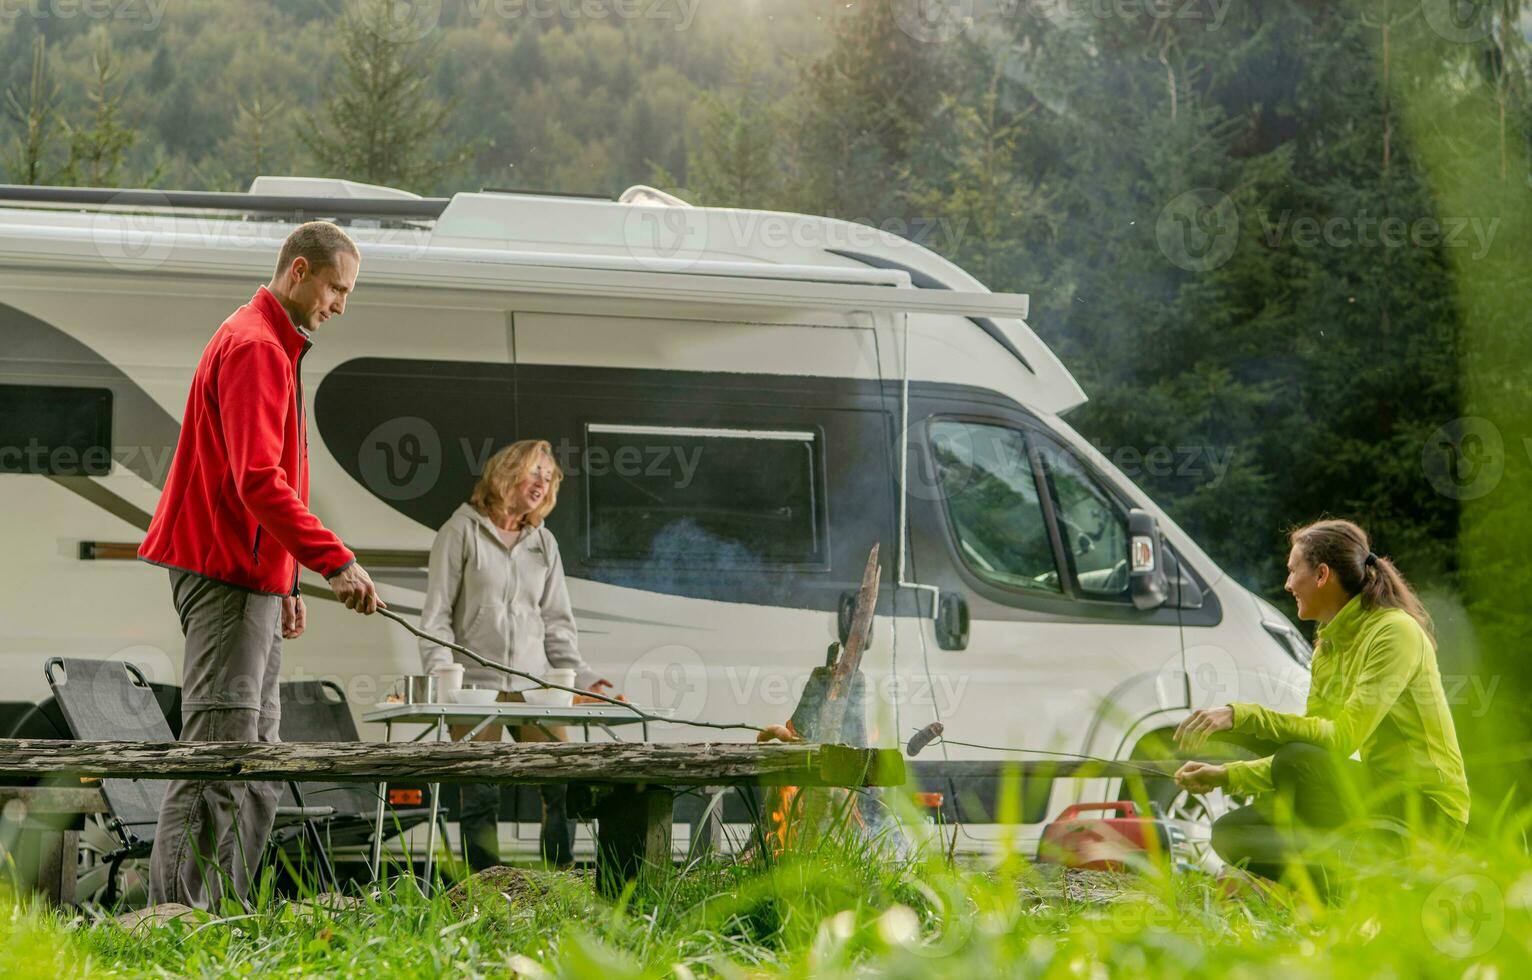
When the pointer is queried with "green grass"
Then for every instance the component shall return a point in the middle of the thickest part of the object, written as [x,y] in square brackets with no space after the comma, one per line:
[844,908]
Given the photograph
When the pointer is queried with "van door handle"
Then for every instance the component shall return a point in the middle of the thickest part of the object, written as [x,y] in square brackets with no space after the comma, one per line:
[952,622]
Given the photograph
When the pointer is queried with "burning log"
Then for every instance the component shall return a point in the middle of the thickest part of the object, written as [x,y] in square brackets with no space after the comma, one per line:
[832,704]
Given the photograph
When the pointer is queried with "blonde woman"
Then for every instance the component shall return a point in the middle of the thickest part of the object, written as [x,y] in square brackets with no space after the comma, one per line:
[497,587]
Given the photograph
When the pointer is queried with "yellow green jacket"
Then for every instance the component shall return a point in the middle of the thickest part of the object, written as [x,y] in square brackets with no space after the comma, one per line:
[1375,688]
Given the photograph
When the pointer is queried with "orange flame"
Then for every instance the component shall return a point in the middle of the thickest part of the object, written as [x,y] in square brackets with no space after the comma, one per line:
[781,832]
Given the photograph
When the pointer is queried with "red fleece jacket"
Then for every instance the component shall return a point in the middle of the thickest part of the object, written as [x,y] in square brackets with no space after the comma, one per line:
[235,505]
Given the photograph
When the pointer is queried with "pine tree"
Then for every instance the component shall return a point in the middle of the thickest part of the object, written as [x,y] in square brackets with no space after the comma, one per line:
[382,124]
[996,209]
[862,109]
[96,152]
[735,161]
[256,132]
[36,113]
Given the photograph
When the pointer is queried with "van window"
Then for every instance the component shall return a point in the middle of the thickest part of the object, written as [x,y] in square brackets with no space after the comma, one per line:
[704,498]
[1092,525]
[55,430]
[986,479]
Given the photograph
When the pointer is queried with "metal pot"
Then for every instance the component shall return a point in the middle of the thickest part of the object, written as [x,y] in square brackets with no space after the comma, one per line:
[417,689]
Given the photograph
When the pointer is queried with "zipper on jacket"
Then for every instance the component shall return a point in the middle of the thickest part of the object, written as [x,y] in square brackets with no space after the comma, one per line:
[303,440]
[255,552]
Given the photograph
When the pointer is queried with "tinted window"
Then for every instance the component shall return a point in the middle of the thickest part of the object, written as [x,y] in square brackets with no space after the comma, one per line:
[55,431]
[990,491]
[1093,527]
[704,497]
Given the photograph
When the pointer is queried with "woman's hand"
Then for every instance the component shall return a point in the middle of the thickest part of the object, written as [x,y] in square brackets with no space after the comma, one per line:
[1194,731]
[1201,777]
[601,686]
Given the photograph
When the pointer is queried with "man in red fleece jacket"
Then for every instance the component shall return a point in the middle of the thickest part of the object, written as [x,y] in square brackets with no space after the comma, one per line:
[233,525]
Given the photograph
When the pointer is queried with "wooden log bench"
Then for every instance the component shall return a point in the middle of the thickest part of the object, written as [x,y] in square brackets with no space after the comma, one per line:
[634,780]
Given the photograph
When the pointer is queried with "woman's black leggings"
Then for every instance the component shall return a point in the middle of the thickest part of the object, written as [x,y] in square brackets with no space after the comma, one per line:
[1315,790]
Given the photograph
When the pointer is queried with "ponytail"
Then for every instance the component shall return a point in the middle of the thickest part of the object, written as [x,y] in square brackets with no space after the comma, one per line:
[1344,547]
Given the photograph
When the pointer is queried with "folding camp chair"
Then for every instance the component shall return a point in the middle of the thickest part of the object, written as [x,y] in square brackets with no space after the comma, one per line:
[317,711]
[108,700]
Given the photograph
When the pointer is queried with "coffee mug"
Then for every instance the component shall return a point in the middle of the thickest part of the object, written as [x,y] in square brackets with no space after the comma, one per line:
[449,680]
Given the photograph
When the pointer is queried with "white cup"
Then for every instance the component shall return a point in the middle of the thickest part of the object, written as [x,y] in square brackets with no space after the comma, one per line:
[564,676]
[449,681]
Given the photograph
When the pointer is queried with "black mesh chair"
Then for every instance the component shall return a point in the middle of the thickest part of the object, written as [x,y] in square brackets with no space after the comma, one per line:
[317,711]
[108,700]
[26,719]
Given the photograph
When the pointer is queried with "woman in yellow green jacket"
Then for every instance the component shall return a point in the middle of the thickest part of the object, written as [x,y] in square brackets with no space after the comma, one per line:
[1375,691]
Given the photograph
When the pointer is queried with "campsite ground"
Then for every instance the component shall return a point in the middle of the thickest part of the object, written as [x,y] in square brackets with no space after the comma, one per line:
[841,909]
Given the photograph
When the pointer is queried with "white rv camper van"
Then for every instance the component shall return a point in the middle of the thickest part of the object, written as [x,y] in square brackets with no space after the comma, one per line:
[743,403]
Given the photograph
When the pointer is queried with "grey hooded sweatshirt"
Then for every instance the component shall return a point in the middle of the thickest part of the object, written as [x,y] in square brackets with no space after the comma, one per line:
[509,605]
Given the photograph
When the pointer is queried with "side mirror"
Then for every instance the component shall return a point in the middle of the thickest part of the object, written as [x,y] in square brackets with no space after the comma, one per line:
[952,622]
[1146,572]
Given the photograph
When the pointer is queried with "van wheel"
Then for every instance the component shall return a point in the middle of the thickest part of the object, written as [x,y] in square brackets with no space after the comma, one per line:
[1188,816]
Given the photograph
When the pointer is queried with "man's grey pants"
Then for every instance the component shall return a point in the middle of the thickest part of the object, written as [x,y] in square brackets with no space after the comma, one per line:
[211,834]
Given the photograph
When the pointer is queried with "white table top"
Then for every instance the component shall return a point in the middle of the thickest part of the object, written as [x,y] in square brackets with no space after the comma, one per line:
[468,714]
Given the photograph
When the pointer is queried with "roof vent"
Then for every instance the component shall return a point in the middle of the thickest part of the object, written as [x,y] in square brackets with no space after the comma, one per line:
[331,187]
[644,194]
